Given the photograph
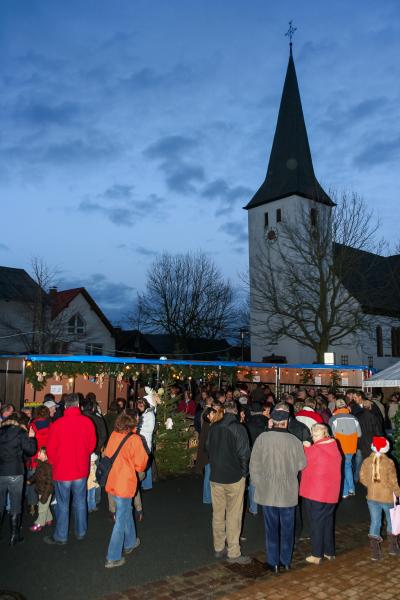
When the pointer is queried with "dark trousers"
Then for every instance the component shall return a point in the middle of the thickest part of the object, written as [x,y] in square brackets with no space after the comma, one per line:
[13,485]
[279,533]
[321,517]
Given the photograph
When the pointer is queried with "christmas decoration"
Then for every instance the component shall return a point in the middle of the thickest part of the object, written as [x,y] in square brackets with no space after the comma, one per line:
[172,436]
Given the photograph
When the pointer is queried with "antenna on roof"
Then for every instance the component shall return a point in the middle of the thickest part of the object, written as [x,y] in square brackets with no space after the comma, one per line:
[290,33]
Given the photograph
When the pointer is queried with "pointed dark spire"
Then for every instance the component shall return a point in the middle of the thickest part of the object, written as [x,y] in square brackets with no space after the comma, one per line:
[290,168]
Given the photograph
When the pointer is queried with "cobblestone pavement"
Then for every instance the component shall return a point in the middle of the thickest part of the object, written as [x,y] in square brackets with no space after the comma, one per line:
[352,575]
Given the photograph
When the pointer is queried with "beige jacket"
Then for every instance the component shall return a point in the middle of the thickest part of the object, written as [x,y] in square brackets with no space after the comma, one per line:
[380,491]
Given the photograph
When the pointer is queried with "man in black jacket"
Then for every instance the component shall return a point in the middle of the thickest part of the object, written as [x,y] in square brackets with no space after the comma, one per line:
[229,453]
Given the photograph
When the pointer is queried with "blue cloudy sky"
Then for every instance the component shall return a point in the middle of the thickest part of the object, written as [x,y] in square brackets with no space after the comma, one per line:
[132,127]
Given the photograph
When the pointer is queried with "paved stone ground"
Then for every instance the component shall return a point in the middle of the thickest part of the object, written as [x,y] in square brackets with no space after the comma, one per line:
[352,575]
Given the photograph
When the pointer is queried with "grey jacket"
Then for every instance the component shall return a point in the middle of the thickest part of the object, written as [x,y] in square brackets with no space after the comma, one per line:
[275,462]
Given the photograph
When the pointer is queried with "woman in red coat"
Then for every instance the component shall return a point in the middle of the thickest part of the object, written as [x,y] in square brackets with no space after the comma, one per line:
[320,488]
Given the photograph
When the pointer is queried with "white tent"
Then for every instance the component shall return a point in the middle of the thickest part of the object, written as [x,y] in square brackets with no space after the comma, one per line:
[389,377]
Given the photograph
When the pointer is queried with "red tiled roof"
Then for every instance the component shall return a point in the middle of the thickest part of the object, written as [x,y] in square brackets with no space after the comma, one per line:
[60,301]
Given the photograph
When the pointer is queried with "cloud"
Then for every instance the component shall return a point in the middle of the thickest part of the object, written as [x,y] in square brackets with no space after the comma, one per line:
[225,194]
[145,251]
[115,299]
[4,247]
[341,118]
[118,192]
[126,214]
[171,152]
[237,232]
[378,153]
[148,78]
[46,114]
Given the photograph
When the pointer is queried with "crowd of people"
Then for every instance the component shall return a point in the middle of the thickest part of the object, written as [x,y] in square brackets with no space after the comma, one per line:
[253,451]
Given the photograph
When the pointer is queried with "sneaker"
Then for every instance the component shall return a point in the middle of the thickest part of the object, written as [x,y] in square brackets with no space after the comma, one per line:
[329,557]
[239,560]
[220,553]
[52,542]
[110,564]
[345,496]
[36,527]
[314,560]
[129,550]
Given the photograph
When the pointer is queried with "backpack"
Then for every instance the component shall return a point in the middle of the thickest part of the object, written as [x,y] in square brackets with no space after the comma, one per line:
[106,463]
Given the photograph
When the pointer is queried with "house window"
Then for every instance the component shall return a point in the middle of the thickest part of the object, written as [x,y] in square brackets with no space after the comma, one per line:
[395,341]
[313,217]
[76,325]
[278,215]
[379,341]
[371,362]
[94,348]
[344,359]
[266,219]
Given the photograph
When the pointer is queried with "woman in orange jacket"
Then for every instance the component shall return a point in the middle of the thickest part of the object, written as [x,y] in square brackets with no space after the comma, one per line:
[121,485]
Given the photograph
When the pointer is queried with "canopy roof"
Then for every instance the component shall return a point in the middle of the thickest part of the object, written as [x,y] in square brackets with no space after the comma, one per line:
[389,377]
[84,358]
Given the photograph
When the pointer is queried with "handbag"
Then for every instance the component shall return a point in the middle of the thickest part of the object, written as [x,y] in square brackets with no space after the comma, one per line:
[395,516]
[106,462]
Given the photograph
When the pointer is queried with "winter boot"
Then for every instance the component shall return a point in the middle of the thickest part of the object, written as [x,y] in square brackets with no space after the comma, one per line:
[375,545]
[15,530]
[394,549]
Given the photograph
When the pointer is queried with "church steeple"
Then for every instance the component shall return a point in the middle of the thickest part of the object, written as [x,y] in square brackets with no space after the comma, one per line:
[290,168]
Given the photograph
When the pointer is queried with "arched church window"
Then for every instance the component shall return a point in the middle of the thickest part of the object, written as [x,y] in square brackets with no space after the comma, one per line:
[395,341]
[313,217]
[379,341]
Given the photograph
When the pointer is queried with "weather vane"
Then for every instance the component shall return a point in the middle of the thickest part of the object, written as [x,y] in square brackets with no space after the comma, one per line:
[290,33]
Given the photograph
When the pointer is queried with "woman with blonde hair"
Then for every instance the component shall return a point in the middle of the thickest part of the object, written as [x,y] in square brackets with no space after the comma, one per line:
[320,488]
[378,475]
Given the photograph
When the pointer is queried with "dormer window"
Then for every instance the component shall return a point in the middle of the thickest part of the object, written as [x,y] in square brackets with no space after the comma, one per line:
[278,215]
[76,325]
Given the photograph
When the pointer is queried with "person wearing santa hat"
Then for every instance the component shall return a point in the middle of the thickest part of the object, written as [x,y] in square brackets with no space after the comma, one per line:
[378,475]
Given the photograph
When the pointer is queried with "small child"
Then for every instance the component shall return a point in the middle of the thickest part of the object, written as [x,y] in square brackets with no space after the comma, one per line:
[43,481]
[92,484]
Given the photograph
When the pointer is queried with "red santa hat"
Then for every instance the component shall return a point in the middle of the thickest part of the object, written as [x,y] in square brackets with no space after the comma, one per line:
[380,445]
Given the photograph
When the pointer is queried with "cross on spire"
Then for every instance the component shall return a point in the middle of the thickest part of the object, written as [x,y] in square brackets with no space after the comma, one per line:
[290,33]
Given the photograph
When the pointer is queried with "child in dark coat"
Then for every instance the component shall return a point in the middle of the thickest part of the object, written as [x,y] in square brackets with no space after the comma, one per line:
[43,481]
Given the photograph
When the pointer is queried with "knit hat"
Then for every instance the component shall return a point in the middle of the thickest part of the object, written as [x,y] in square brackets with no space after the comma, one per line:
[279,415]
[380,445]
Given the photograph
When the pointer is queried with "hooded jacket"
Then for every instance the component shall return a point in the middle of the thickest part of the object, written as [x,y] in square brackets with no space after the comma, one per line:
[321,479]
[345,429]
[71,441]
[382,490]
[14,444]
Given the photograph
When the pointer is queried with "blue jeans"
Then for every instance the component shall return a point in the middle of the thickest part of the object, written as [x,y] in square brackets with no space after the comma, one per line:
[357,465]
[124,533]
[348,484]
[147,483]
[279,534]
[375,511]
[91,499]
[11,487]
[206,485]
[253,506]
[63,490]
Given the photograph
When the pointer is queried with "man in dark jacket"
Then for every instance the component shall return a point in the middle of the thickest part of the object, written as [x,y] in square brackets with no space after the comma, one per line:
[15,444]
[229,452]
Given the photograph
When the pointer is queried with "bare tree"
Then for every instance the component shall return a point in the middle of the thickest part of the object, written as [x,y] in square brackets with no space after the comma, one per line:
[187,297]
[299,278]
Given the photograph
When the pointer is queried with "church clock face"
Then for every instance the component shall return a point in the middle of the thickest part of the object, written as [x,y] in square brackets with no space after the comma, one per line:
[271,235]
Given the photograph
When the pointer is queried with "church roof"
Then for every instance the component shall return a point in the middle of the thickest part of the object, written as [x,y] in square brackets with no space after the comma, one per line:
[372,279]
[290,168]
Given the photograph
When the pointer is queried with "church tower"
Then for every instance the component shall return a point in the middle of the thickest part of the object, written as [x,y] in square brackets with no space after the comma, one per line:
[290,187]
